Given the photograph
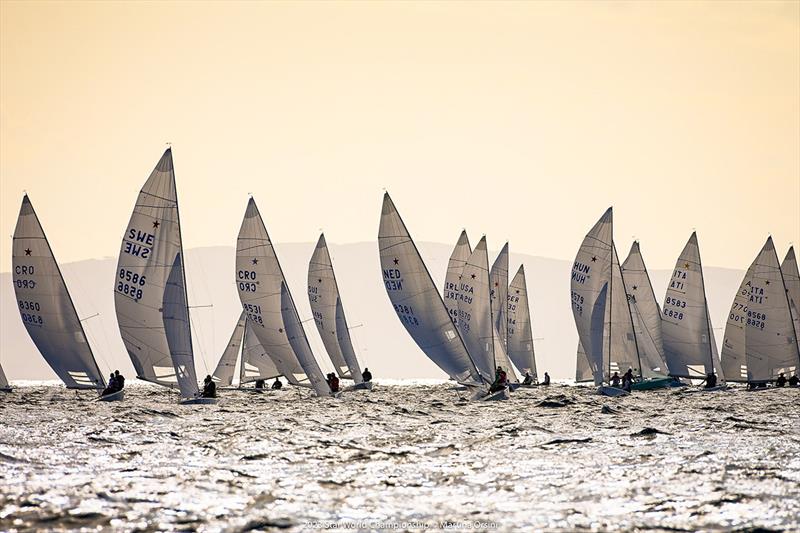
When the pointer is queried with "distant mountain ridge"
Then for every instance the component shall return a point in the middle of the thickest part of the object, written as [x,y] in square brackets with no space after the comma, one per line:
[380,340]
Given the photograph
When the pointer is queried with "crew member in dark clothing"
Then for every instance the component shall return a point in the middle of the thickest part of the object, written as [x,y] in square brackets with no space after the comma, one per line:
[111,388]
[781,381]
[500,380]
[259,383]
[615,380]
[333,382]
[366,375]
[627,380]
[120,380]
[711,380]
[209,388]
[546,379]
[277,384]
[794,381]
[528,379]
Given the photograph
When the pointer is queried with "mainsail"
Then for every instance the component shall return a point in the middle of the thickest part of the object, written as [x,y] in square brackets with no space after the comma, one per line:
[326,306]
[645,312]
[299,343]
[46,307]
[520,329]
[416,300]
[226,367]
[689,347]
[791,277]
[760,338]
[259,280]
[150,290]
[452,279]
[498,285]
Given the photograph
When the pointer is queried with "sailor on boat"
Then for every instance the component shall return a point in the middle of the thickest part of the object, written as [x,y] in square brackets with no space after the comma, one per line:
[528,379]
[120,379]
[794,381]
[366,375]
[209,388]
[500,380]
[111,388]
[333,382]
[781,381]
[627,380]
[615,380]
[259,384]
[277,385]
[546,379]
[711,380]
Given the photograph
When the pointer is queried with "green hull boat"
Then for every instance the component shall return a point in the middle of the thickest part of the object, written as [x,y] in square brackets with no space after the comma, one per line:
[656,383]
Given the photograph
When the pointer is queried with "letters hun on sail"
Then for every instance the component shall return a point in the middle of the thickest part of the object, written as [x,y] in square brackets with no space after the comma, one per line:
[326,306]
[760,338]
[150,291]
[417,301]
[46,307]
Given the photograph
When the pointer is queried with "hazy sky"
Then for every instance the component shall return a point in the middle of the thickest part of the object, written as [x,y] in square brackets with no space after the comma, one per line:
[523,121]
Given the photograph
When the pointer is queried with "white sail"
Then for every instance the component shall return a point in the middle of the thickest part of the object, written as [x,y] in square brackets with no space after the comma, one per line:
[256,363]
[226,367]
[624,348]
[326,306]
[259,278]
[583,372]
[455,265]
[498,284]
[760,338]
[150,257]
[3,379]
[645,312]
[520,328]
[299,343]
[416,300]
[46,307]
[791,277]
[689,347]
[590,281]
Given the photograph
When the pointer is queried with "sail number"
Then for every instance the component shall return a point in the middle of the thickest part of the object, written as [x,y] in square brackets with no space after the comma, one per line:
[31,318]
[253,313]
[406,314]
[29,306]
[130,284]
[577,303]
[247,280]
[756,320]
[24,270]
[313,294]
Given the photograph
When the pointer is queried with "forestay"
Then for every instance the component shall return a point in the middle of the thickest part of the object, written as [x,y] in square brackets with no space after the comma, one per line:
[416,300]
[520,327]
[689,347]
[46,307]
[299,343]
[760,338]
[323,295]
[452,279]
[258,280]
[791,278]
[498,284]
[226,368]
[645,313]
[150,247]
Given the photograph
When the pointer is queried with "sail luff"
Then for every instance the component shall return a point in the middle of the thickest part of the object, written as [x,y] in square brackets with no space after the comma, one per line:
[46,306]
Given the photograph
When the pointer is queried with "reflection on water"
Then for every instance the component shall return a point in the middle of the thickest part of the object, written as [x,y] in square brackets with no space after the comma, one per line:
[558,458]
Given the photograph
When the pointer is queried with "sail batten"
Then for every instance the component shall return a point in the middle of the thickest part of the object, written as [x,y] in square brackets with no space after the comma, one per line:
[46,307]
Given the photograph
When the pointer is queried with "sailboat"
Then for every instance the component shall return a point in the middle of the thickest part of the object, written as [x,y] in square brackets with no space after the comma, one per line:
[760,338]
[46,307]
[417,302]
[254,363]
[269,305]
[150,290]
[519,328]
[600,306]
[452,278]
[791,277]
[646,316]
[690,350]
[583,372]
[4,386]
[328,311]
[498,294]
[476,322]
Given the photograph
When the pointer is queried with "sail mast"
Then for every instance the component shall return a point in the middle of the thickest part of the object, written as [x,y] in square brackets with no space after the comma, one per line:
[611,297]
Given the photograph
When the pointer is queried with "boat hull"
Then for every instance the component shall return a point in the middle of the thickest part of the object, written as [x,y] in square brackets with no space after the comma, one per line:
[656,383]
[6,389]
[612,391]
[714,389]
[198,401]
[113,397]
[496,396]
[364,385]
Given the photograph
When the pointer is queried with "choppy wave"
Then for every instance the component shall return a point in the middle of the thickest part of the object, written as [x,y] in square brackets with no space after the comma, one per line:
[557,458]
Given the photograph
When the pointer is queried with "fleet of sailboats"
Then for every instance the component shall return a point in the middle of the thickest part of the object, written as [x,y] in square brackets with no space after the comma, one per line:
[479,325]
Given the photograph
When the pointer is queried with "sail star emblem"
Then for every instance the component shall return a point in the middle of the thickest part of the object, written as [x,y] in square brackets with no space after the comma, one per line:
[156,224]
[635,287]
[594,258]
[27,251]
[255,261]
[396,260]
[319,280]
[473,276]
[686,265]
[767,282]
